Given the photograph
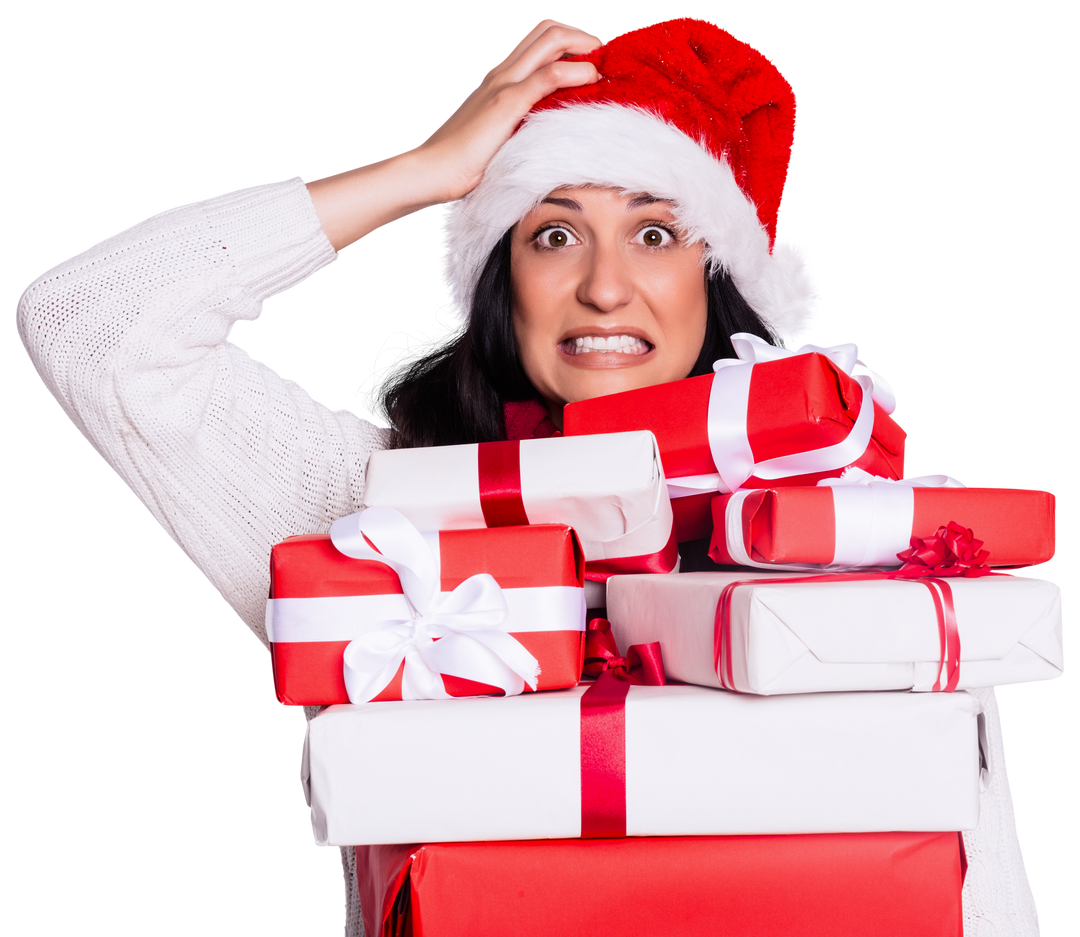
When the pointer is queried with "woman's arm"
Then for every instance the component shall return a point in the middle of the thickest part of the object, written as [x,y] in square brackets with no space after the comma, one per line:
[131,337]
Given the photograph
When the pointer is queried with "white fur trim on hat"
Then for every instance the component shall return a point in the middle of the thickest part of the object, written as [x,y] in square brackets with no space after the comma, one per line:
[631,150]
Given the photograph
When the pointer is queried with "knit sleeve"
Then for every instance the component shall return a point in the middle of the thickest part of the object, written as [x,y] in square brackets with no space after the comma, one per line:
[131,338]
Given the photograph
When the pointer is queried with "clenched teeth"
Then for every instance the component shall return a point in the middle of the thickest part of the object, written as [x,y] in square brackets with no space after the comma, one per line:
[606,344]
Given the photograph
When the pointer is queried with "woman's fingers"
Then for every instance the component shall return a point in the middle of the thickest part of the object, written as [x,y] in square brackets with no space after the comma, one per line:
[548,30]
[549,46]
[487,118]
[450,163]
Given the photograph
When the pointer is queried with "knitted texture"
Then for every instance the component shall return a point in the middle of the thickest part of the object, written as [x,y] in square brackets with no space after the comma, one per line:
[228,456]
[131,338]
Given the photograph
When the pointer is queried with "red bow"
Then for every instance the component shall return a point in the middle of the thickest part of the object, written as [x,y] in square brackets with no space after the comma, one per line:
[952,551]
[642,666]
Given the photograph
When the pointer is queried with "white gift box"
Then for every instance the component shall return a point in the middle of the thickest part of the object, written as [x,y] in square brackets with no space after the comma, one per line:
[793,637]
[698,761]
[609,488]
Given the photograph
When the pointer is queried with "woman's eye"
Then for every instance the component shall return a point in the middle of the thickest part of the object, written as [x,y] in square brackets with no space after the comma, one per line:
[556,237]
[655,237]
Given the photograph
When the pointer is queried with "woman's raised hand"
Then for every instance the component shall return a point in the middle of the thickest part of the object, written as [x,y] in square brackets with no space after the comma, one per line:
[450,163]
[460,149]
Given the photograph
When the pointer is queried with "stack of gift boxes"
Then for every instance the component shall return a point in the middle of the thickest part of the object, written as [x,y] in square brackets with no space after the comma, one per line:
[728,763]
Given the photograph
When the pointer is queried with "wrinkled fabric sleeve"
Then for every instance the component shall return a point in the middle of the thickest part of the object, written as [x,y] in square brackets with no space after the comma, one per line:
[132,339]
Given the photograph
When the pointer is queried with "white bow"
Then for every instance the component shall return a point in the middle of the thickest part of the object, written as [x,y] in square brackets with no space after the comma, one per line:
[466,621]
[853,475]
[750,348]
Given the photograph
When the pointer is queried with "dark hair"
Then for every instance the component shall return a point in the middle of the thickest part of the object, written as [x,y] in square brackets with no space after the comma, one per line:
[455,393]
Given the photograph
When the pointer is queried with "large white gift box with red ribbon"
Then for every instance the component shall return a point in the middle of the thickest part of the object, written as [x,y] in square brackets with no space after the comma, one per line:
[769,417]
[609,488]
[657,761]
[785,633]
[861,520]
[378,610]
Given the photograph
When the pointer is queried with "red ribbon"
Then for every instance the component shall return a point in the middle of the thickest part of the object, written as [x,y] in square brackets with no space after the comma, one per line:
[499,469]
[662,561]
[603,726]
[499,466]
[948,632]
[952,551]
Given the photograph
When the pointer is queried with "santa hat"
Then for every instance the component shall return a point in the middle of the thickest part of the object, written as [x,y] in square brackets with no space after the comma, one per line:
[682,111]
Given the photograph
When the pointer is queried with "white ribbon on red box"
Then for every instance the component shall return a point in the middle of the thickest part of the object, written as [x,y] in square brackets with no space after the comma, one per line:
[873,520]
[729,403]
[455,633]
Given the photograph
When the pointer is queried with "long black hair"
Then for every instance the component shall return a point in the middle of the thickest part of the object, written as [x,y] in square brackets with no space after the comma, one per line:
[455,393]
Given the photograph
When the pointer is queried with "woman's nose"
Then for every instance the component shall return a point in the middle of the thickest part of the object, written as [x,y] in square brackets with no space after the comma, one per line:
[606,284]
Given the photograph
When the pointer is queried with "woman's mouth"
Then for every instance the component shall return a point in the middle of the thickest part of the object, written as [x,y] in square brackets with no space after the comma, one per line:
[605,345]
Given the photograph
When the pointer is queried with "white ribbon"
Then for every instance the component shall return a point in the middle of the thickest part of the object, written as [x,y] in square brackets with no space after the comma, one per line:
[873,517]
[750,348]
[466,621]
[729,402]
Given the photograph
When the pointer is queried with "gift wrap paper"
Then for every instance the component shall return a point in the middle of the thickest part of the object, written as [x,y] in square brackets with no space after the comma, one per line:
[697,762]
[816,637]
[609,488]
[867,525]
[795,404]
[322,599]
[842,885]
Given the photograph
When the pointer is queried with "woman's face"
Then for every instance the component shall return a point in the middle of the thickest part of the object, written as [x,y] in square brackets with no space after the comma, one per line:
[606,295]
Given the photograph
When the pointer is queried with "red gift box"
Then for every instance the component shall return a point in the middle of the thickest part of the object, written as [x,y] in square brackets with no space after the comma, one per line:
[867,525]
[843,885]
[540,570]
[792,405]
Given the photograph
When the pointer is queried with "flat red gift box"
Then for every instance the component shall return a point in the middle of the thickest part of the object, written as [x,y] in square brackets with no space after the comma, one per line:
[796,404]
[840,885]
[310,673]
[798,525]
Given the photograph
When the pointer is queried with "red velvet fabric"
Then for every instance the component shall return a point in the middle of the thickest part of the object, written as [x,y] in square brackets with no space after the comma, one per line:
[711,87]
[528,419]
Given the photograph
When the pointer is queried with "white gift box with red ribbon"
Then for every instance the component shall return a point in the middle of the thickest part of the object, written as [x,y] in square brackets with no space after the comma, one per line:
[784,635]
[609,488]
[697,762]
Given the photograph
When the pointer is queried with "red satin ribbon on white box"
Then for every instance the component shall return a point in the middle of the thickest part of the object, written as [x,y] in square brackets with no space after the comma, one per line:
[610,488]
[948,672]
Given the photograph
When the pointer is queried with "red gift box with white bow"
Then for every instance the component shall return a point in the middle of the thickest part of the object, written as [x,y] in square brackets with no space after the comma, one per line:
[771,417]
[847,526]
[843,885]
[429,616]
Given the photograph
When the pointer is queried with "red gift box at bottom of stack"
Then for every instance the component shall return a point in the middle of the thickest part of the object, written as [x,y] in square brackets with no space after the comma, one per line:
[840,885]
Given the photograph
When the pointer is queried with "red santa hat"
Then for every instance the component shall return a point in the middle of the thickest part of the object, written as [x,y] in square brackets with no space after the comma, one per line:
[682,111]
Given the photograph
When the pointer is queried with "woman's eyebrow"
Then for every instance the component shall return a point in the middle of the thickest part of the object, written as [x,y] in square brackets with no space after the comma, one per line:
[568,203]
[639,201]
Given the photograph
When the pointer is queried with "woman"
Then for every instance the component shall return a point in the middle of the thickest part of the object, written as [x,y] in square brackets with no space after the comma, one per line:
[353,204]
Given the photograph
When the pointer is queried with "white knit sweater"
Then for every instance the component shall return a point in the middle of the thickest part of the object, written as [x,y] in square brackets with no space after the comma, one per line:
[131,338]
